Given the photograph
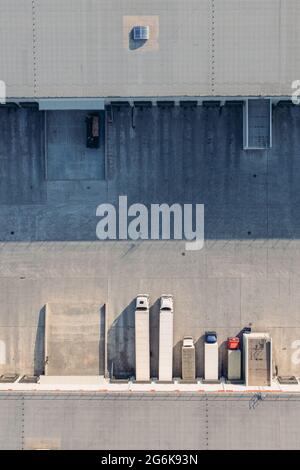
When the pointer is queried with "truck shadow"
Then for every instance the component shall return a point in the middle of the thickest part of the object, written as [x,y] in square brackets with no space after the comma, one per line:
[39,345]
[120,344]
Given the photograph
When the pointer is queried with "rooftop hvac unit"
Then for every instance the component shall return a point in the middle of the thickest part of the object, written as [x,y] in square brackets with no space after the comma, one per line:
[257,359]
[142,341]
[165,368]
[188,359]
[141,33]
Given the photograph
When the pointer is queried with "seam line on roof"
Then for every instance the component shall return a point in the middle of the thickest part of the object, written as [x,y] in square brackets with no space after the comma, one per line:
[213,47]
[22,422]
[33,9]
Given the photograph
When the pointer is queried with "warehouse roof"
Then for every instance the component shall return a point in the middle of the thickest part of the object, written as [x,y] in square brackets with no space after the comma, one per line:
[84,48]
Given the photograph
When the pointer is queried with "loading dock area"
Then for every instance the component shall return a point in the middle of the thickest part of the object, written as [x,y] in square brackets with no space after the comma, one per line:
[74,339]
[257,123]
[247,272]
[192,106]
[67,155]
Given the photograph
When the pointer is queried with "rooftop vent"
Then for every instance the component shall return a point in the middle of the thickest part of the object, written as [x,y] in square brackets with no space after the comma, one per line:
[141,33]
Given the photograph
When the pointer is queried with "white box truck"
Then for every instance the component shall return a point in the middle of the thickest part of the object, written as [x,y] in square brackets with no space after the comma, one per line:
[211,357]
[165,368]
[142,339]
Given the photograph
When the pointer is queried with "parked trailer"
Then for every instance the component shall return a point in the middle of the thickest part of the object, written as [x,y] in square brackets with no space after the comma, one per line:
[165,369]
[142,341]
[211,354]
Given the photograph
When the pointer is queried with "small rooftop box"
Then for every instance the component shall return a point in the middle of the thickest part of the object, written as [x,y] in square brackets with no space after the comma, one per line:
[141,33]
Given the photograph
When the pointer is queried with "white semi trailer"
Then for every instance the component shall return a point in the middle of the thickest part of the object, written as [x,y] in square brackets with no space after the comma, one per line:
[165,368]
[142,340]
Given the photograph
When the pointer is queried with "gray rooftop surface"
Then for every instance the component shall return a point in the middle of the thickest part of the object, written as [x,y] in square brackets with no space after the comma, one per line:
[80,48]
[147,421]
